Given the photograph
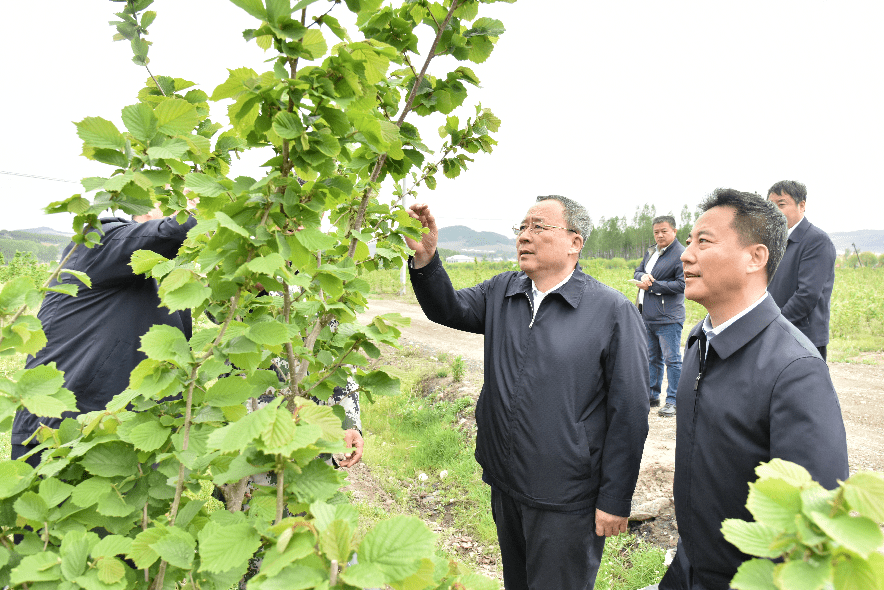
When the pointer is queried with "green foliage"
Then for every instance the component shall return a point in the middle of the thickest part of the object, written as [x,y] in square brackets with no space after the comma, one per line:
[458,368]
[629,564]
[825,538]
[23,264]
[10,246]
[333,109]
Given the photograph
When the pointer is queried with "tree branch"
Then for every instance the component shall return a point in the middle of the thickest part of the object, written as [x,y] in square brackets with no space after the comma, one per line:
[363,205]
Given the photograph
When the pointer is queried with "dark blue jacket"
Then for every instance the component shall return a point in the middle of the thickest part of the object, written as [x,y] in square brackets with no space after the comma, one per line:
[802,284]
[562,417]
[664,299]
[765,393]
[94,337]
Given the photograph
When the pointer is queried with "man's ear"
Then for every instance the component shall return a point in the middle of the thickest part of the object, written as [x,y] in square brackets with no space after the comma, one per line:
[576,244]
[758,256]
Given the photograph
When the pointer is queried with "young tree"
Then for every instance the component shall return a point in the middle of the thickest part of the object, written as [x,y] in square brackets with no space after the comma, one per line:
[116,491]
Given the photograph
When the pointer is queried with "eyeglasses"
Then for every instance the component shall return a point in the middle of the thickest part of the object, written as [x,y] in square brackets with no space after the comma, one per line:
[535,227]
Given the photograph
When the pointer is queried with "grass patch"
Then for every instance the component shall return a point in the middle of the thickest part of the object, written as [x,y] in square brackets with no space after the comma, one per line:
[629,564]
[420,447]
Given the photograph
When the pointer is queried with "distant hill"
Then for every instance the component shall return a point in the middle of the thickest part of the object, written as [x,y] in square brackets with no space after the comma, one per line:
[460,237]
[47,231]
[866,240]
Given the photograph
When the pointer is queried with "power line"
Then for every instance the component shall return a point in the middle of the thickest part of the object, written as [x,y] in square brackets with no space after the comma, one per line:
[38,177]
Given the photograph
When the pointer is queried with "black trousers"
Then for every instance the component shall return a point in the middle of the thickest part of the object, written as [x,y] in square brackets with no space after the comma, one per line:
[680,575]
[822,351]
[546,550]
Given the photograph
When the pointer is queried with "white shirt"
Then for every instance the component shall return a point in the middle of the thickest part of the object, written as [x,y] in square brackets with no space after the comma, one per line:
[712,332]
[538,295]
[791,229]
[650,267]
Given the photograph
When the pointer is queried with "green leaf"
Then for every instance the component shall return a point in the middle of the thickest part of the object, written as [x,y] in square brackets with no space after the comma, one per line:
[142,553]
[279,432]
[854,574]
[379,383]
[110,157]
[14,294]
[267,265]
[336,541]
[487,27]
[144,260]
[857,533]
[81,276]
[314,44]
[268,333]
[91,491]
[397,545]
[100,133]
[754,538]
[112,459]
[140,120]
[803,575]
[176,116]
[51,406]
[324,418]
[165,343]
[188,296]
[755,574]
[40,567]
[774,502]
[171,148]
[236,436]
[64,288]
[149,436]
[313,239]
[112,545]
[224,547]
[253,7]
[54,491]
[236,81]
[203,185]
[791,473]
[864,492]
[177,547]
[31,506]
[74,553]
[365,575]
[110,570]
[225,221]
[287,125]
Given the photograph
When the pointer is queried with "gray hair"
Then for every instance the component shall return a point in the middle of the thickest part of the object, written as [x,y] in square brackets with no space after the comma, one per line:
[665,219]
[576,216]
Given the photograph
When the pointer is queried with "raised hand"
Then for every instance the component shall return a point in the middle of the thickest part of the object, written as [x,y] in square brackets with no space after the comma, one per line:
[426,248]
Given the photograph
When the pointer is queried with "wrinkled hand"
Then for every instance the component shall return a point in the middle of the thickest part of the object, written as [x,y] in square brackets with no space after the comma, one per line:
[647,281]
[352,440]
[426,248]
[609,525]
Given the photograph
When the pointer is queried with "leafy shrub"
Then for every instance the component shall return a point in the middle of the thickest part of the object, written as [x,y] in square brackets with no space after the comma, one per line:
[825,538]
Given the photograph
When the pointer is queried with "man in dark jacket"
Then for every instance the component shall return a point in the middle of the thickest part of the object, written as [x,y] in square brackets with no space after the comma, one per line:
[661,303]
[752,388]
[562,417]
[94,337]
[802,285]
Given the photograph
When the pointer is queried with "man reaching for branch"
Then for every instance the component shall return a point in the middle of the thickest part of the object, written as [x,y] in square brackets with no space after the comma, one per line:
[562,417]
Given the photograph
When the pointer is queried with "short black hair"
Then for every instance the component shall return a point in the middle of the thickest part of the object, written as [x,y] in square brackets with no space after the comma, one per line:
[665,219]
[793,188]
[756,220]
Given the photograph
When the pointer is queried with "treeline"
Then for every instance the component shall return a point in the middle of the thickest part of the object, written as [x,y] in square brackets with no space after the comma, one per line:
[41,252]
[619,237]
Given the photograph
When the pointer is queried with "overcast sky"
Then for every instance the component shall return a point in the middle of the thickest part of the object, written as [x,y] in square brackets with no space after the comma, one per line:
[614,104]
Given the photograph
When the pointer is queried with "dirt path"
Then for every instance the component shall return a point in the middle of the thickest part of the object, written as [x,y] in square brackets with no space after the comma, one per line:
[860,389]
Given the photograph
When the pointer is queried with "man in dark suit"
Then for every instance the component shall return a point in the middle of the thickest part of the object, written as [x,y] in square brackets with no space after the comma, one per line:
[661,303]
[802,285]
[753,388]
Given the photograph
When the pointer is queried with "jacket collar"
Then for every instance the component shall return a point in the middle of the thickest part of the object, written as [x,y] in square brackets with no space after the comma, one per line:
[800,229]
[741,332]
[571,291]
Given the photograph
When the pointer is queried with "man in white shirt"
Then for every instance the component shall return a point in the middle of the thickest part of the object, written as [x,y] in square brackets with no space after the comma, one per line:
[752,388]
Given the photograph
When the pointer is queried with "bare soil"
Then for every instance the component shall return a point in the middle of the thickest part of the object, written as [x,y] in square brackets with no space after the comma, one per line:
[860,388]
